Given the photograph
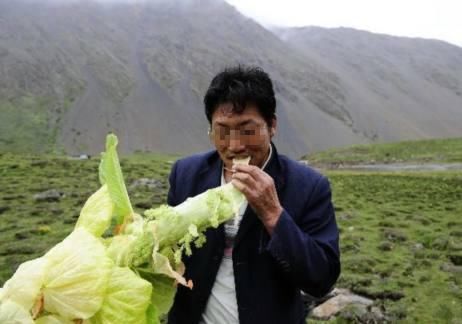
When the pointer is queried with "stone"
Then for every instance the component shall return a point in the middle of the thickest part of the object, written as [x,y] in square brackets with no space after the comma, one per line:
[335,304]
[49,195]
[345,217]
[394,235]
[417,247]
[146,182]
[353,313]
[449,267]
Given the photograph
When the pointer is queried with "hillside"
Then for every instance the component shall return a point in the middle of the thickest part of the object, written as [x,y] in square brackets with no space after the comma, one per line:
[71,72]
[398,88]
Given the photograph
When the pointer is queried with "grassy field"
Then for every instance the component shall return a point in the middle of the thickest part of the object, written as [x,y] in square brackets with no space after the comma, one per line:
[441,150]
[401,241]
[29,227]
[401,233]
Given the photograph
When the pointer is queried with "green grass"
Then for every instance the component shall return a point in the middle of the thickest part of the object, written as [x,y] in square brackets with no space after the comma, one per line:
[440,150]
[28,228]
[24,125]
[398,231]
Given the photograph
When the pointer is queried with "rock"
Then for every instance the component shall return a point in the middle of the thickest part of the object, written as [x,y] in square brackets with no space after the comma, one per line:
[49,195]
[345,217]
[375,315]
[146,182]
[335,304]
[449,267]
[353,313]
[417,247]
[363,314]
[394,235]
[419,250]
[311,302]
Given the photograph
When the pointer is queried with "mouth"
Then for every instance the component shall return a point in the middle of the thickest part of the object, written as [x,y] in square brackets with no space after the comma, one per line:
[239,157]
[245,160]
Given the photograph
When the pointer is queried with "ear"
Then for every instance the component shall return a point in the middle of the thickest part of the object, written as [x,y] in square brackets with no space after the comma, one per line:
[274,126]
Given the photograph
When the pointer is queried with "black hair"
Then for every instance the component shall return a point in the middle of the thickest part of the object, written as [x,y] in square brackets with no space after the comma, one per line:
[240,86]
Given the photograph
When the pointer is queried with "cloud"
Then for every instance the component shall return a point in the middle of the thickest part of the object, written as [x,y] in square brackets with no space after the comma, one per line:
[413,18]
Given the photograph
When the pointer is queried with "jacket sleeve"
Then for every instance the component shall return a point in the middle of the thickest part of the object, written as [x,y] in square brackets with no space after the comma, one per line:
[308,250]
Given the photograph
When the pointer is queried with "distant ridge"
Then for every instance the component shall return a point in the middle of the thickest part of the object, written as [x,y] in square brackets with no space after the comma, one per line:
[72,73]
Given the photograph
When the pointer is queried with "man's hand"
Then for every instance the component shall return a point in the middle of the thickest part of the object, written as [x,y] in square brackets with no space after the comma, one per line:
[259,189]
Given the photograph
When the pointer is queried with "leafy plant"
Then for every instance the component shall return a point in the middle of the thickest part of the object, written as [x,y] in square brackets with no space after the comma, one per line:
[115,266]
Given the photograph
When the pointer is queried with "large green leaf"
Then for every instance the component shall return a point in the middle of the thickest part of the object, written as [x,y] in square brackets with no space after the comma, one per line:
[78,272]
[24,287]
[110,174]
[12,313]
[96,214]
[127,299]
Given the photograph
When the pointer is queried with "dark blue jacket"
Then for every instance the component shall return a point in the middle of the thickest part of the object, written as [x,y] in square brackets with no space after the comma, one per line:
[302,253]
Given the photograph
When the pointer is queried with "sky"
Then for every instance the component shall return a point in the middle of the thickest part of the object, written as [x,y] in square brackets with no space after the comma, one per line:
[437,19]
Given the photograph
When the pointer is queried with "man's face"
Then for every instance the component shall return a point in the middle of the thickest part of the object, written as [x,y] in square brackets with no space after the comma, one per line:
[241,135]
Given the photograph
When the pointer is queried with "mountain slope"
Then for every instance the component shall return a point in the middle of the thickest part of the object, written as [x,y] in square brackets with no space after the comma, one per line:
[73,72]
[398,88]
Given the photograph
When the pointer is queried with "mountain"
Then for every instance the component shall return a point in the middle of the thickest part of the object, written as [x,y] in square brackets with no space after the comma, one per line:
[397,87]
[73,71]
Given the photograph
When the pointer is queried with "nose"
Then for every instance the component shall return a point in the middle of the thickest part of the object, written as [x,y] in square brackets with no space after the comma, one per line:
[236,145]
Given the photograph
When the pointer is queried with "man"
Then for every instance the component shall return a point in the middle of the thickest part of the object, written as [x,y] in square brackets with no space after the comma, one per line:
[252,269]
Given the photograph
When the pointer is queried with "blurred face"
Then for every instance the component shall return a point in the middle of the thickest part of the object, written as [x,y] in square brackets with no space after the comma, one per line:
[239,135]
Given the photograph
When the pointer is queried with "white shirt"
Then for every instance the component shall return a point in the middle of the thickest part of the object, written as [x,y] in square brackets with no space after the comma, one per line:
[221,306]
